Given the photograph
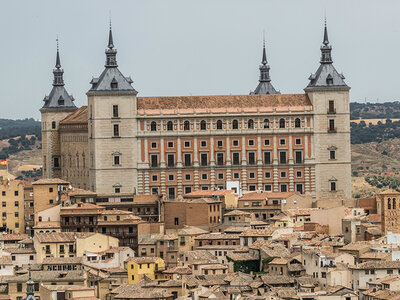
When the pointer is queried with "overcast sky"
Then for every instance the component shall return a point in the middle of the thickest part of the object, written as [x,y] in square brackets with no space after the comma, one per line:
[187,47]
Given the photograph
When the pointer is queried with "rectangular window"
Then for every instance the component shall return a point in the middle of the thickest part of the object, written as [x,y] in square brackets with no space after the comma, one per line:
[219,143]
[187,159]
[220,176]
[187,144]
[188,189]
[187,177]
[333,186]
[170,144]
[116,160]
[171,177]
[299,157]
[203,159]
[331,125]
[268,187]
[154,145]
[267,174]
[56,162]
[203,144]
[298,174]
[252,187]
[282,142]
[171,193]
[235,143]
[283,174]
[299,188]
[220,159]
[332,154]
[251,142]
[171,160]
[298,141]
[252,175]
[267,158]
[154,160]
[115,111]
[204,176]
[266,142]
[282,157]
[15,193]
[236,175]
[154,178]
[236,158]
[283,188]
[116,129]
[252,158]
[16,203]
[331,107]
[154,191]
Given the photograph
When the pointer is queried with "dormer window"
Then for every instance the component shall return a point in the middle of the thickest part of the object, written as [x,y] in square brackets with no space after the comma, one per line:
[61,101]
[114,83]
[329,79]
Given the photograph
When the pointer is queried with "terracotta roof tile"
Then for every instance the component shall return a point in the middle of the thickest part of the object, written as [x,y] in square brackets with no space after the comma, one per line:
[78,116]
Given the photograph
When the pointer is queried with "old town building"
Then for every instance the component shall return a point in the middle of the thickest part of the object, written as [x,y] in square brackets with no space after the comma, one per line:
[121,143]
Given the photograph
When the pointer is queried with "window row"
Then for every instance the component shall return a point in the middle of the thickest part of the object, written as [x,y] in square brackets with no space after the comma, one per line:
[235,175]
[220,143]
[250,124]
[236,159]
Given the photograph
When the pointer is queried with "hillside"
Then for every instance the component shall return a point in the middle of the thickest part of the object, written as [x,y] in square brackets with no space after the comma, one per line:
[384,110]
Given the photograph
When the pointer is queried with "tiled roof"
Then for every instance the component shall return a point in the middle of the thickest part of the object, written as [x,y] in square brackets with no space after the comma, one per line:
[145,198]
[266,195]
[242,256]
[78,116]
[237,212]
[217,236]
[47,224]
[50,181]
[179,270]
[62,260]
[276,279]
[223,101]
[143,259]
[45,276]
[377,264]
[191,230]
[5,260]
[258,232]
[57,237]
[208,193]
[279,261]
[13,237]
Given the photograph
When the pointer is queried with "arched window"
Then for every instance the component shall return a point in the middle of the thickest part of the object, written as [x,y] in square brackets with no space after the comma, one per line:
[203,125]
[186,125]
[394,203]
[297,123]
[170,126]
[153,126]
[250,124]
[219,124]
[389,204]
[282,123]
[235,124]
[266,123]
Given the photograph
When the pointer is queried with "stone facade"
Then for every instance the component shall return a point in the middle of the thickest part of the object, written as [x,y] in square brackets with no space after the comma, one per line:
[176,145]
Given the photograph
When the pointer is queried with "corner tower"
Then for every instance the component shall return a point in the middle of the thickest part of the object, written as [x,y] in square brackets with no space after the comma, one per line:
[265,86]
[112,129]
[57,105]
[329,95]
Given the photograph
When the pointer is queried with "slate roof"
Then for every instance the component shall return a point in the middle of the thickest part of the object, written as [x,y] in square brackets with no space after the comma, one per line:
[109,75]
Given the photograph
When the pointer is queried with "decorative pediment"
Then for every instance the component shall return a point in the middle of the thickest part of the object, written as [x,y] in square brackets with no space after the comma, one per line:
[332,148]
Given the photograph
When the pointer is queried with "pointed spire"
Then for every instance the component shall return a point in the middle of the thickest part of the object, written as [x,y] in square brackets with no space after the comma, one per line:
[326,49]
[110,38]
[326,41]
[111,53]
[58,63]
[264,58]
[58,72]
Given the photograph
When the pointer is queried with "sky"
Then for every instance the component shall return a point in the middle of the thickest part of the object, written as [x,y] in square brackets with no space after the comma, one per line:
[187,47]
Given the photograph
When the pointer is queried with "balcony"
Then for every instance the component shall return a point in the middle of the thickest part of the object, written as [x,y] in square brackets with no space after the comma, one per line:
[331,111]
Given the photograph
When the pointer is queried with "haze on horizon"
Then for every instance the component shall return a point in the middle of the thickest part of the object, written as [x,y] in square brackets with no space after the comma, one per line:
[187,47]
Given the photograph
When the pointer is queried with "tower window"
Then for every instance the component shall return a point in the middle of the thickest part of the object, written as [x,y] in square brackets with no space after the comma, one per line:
[115,111]
[219,124]
[333,186]
[116,130]
[53,125]
[282,123]
[116,160]
[297,123]
[266,123]
[332,154]
[331,107]
[235,124]
[114,84]
[331,125]
[153,126]
[56,162]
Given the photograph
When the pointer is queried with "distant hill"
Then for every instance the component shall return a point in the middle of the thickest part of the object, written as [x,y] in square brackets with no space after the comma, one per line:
[14,128]
[386,110]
